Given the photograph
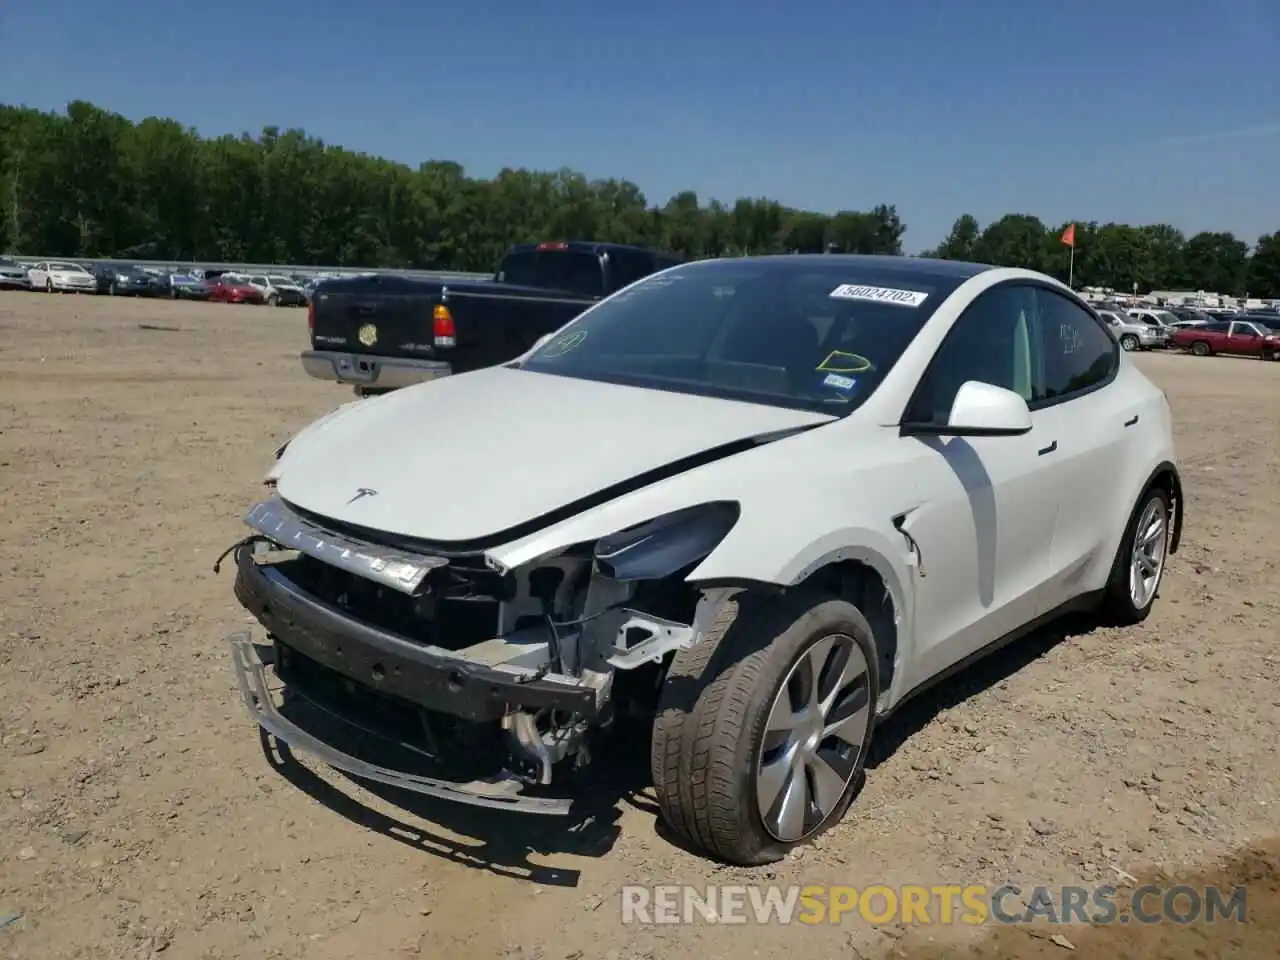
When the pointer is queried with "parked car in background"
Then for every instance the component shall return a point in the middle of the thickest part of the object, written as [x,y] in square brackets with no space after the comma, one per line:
[1164,319]
[61,276]
[1132,332]
[278,290]
[229,288]
[186,286]
[1189,315]
[127,281]
[381,332]
[13,274]
[1239,337]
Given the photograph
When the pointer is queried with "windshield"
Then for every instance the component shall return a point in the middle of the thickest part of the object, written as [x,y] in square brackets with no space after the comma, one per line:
[66,267]
[280,281]
[572,270]
[808,333]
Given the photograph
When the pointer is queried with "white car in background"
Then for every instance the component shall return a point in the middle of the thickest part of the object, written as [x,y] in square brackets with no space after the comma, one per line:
[1159,318]
[278,289]
[1134,333]
[760,501]
[62,277]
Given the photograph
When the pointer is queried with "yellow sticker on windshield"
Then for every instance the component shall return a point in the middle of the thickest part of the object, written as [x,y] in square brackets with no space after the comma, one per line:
[563,344]
[840,362]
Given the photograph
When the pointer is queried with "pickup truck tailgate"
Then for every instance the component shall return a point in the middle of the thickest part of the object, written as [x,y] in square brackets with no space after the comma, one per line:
[376,315]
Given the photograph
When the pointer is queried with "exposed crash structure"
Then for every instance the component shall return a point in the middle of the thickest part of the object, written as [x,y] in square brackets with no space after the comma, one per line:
[513,667]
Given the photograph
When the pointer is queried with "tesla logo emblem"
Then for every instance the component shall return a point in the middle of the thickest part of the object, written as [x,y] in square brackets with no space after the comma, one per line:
[362,493]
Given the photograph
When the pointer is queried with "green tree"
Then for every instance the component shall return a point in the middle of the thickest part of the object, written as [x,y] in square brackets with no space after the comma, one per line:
[89,182]
[1264,267]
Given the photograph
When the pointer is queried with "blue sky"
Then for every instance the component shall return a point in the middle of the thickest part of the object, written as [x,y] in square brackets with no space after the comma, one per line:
[1131,110]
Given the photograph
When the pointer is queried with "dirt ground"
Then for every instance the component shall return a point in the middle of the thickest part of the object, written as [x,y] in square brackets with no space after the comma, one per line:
[141,813]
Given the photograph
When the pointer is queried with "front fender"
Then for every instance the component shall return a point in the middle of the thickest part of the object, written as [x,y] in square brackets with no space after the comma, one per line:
[752,556]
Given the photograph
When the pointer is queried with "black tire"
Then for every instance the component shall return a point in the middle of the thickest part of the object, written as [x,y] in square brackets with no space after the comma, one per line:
[712,715]
[1129,342]
[1201,348]
[1118,606]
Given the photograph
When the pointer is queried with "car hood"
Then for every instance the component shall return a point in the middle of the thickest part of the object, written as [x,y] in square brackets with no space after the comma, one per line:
[488,455]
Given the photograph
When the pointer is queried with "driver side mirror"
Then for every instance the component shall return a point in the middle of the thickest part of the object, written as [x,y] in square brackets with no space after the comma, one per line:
[980,410]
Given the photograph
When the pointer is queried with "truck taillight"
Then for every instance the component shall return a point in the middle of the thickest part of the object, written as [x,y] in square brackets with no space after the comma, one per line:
[446,334]
[311,317]
[553,245]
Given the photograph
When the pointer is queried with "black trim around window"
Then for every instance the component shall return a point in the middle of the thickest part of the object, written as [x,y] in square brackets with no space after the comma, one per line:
[1089,312]
[1034,405]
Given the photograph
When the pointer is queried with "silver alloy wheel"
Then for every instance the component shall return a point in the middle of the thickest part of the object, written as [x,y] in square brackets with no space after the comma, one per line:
[1129,342]
[1146,560]
[813,738]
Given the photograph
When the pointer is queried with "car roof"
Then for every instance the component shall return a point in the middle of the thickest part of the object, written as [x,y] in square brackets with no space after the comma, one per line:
[923,267]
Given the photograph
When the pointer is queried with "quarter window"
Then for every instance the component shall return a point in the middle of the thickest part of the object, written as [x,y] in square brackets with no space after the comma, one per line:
[1078,352]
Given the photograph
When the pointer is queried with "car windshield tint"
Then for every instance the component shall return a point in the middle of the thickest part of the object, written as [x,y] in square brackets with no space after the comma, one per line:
[813,333]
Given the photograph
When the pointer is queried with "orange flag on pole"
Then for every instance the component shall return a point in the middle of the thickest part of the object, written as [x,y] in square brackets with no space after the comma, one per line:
[1069,236]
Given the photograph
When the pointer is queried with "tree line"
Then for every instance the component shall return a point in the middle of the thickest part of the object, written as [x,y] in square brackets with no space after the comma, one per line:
[92,183]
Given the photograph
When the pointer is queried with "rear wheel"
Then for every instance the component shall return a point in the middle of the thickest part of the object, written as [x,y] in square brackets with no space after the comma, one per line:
[763,727]
[1140,560]
[1200,348]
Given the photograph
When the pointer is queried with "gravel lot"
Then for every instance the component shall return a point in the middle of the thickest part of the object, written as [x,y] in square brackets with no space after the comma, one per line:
[141,814]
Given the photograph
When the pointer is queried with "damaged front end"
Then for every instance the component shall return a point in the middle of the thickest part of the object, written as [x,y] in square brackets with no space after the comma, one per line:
[491,682]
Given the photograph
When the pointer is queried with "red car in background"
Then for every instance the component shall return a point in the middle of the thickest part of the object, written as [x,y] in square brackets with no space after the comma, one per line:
[1241,337]
[233,290]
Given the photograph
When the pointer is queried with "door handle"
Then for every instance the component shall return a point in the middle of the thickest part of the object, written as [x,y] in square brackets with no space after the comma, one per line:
[1131,421]
[1049,449]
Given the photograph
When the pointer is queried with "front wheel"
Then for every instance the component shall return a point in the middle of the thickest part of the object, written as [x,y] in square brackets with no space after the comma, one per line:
[1129,342]
[1139,564]
[763,728]
[273,300]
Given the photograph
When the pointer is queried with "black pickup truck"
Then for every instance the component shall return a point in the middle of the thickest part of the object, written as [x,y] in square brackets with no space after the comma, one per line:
[379,332]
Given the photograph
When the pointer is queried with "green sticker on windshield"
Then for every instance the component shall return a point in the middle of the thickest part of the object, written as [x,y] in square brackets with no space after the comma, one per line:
[840,362]
[563,344]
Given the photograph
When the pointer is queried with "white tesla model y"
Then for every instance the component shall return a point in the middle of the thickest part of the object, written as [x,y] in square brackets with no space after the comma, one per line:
[760,501]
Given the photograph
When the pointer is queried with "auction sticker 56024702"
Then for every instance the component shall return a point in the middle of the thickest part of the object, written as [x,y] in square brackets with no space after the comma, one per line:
[856,291]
